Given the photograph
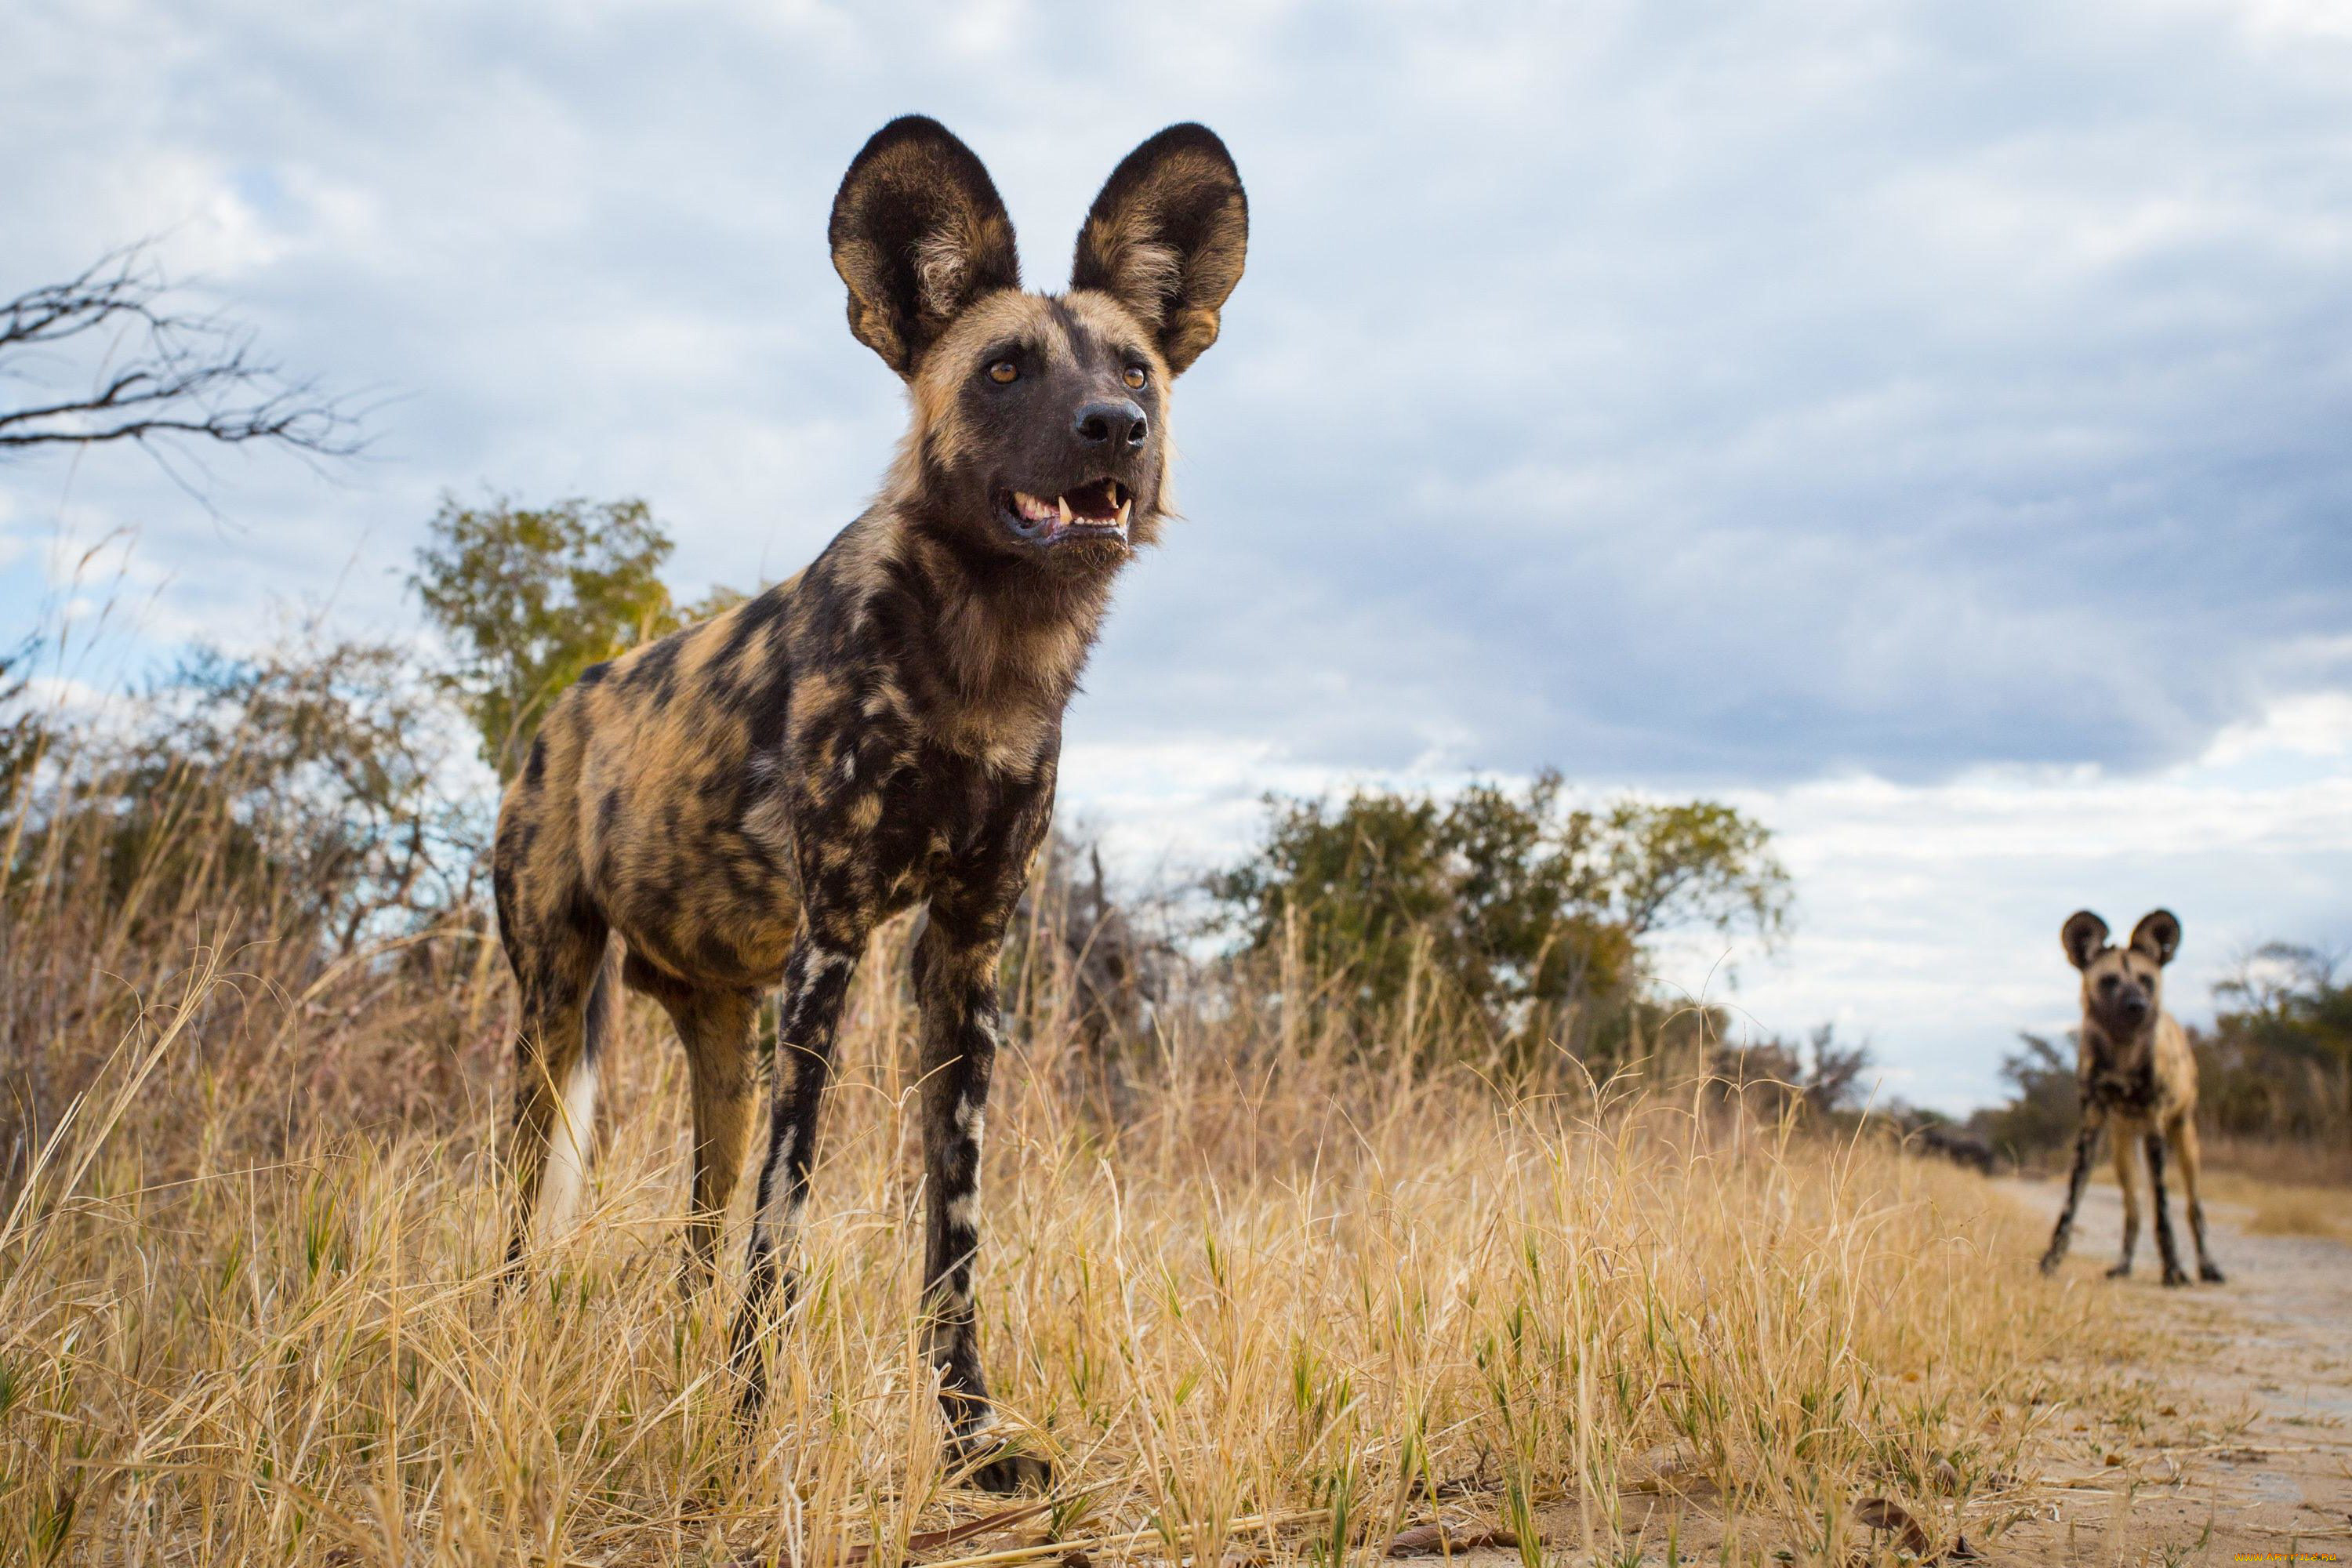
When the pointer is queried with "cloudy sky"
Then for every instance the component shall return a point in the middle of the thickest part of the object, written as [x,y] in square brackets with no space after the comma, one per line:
[1929,427]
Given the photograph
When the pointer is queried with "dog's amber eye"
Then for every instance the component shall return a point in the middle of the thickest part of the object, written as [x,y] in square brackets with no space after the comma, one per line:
[1004,372]
[1136,377]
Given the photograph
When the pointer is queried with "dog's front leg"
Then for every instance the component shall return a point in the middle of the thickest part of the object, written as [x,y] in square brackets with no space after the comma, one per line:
[2165,1248]
[2086,1142]
[955,978]
[817,978]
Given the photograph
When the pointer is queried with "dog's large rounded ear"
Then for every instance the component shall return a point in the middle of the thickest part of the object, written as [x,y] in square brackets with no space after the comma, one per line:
[2084,934]
[2158,935]
[918,233]
[1167,236]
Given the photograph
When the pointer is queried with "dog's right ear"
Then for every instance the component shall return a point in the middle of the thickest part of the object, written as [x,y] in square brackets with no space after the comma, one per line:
[918,233]
[2085,935]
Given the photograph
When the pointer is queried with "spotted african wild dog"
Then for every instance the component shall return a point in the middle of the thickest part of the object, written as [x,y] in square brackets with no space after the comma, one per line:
[741,803]
[2136,1077]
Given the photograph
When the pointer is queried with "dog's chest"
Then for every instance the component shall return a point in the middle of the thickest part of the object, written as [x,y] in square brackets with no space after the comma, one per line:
[952,823]
[2132,1089]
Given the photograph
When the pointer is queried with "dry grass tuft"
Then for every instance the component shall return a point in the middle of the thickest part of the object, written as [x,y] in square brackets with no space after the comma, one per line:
[2275,1210]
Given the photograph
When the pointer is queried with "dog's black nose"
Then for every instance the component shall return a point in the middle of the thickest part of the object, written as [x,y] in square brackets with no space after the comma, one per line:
[1118,423]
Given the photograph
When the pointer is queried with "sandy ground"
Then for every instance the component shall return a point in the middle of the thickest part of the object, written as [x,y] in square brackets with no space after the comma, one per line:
[2247,1457]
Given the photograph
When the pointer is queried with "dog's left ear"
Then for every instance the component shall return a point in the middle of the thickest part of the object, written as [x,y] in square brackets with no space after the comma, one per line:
[1167,236]
[2158,935]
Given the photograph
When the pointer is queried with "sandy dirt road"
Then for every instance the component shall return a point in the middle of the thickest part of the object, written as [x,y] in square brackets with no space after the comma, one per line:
[2248,1457]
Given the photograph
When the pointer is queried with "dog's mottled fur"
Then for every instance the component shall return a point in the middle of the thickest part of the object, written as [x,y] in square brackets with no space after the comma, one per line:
[741,803]
[2138,1080]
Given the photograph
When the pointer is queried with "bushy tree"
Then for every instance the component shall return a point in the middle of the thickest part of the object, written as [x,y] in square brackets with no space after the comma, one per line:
[291,790]
[1823,1081]
[23,732]
[529,597]
[2043,1100]
[2277,1063]
[1524,909]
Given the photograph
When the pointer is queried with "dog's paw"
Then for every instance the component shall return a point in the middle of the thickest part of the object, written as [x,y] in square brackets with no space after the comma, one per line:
[749,1375]
[2050,1259]
[1002,1468]
[2120,1271]
[2175,1275]
[2210,1275]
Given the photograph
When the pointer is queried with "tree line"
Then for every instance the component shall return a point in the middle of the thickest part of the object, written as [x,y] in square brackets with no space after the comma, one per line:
[330,777]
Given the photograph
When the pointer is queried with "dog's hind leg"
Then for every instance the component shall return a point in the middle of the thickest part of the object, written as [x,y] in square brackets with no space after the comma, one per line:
[2086,1141]
[2126,1151]
[2192,1167]
[715,1026]
[569,993]
[2165,1248]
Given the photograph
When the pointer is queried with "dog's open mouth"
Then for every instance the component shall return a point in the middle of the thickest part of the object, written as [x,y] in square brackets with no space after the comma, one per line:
[1097,510]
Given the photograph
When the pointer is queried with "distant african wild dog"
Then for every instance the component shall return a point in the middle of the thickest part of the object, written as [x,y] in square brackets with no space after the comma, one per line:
[742,802]
[2136,1077]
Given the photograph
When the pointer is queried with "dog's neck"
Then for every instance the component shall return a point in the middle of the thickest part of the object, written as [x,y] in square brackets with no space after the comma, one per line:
[998,642]
[2124,1050]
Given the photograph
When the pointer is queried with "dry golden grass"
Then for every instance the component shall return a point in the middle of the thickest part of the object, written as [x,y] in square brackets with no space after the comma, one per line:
[2273,1208]
[1298,1293]
[1286,1305]
[2280,1163]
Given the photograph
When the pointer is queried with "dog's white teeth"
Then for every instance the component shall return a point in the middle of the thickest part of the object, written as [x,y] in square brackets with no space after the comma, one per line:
[1124,507]
[1065,503]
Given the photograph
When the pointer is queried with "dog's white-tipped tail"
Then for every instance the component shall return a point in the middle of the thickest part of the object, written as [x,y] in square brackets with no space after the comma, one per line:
[568,1144]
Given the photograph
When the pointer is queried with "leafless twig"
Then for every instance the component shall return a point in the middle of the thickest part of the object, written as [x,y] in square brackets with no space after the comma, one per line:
[108,356]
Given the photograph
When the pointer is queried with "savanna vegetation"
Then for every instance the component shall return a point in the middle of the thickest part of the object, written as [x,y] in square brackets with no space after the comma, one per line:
[1368,1185]
[1371,1186]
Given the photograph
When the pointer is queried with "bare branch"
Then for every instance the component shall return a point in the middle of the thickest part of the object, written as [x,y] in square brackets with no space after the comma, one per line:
[116,362]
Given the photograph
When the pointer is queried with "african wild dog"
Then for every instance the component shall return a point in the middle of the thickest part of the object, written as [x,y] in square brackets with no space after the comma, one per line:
[1957,1144]
[2137,1076]
[744,800]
